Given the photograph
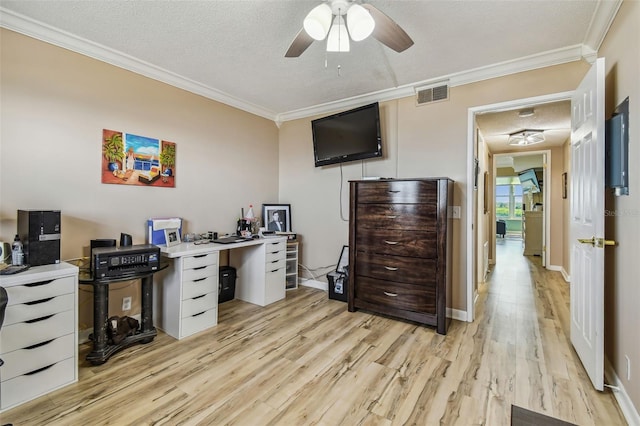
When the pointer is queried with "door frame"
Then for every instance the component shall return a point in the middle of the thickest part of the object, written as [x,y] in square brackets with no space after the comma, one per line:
[471,198]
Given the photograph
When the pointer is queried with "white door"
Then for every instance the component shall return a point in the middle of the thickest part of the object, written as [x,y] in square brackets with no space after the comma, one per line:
[587,222]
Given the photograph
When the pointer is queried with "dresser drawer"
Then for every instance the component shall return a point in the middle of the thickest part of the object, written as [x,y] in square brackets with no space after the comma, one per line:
[23,361]
[29,386]
[409,270]
[396,295]
[40,290]
[199,304]
[417,192]
[38,309]
[199,260]
[198,322]
[397,242]
[24,334]
[195,288]
[397,216]
[199,273]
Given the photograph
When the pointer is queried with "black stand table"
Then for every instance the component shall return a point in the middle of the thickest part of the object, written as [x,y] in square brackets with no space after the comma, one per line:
[102,350]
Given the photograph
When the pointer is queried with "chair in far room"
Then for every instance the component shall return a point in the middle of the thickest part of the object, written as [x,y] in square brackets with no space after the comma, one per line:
[501,228]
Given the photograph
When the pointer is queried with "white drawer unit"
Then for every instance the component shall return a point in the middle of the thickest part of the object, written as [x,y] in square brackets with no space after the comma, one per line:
[39,339]
[292,265]
[186,297]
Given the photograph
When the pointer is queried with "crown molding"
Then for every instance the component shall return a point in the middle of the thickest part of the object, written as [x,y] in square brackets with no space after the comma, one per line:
[603,17]
[38,30]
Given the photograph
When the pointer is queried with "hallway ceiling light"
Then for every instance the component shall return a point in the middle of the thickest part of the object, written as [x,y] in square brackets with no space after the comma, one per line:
[526,137]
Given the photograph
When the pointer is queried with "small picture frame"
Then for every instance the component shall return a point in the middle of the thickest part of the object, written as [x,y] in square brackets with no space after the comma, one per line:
[172,237]
[343,261]
[277,217]
[564,185]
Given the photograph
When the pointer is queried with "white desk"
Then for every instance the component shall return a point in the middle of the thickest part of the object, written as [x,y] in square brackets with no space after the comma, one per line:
[186,293]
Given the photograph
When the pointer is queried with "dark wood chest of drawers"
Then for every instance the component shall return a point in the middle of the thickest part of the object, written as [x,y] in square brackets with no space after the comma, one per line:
[400,249]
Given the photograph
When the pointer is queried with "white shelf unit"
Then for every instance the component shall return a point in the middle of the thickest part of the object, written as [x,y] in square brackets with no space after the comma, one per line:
[291,275]
[39,337]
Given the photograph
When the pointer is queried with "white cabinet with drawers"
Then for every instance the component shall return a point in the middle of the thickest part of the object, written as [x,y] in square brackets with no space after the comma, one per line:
[187,300]
[39,339]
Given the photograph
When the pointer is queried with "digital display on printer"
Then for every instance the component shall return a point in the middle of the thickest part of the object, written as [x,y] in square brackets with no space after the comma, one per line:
[127,260]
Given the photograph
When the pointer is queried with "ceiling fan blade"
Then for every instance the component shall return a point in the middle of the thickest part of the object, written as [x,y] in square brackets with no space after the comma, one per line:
[299,44]
[387,31]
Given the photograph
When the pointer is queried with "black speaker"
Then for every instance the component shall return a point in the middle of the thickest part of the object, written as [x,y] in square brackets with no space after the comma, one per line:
[226,284]
[40,233]
[125,240]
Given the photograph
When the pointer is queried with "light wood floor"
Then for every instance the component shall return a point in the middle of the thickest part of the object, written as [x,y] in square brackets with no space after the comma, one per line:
[306,360]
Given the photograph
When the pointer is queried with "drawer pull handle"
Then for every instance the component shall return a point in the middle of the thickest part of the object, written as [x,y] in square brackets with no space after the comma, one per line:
[37,302]
[392,216]
[198,297]
[391,243]
[275,270]
[37,345]
[39,370]
[200,255]
[390,268]
[390,294]
[38,284]
[394,192]
[198,268]
[200,279]
[31,321]
[197,315]
[275,261]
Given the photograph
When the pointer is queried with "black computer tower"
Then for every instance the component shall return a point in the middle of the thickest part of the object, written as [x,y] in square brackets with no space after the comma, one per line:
[39,231]
[226,284]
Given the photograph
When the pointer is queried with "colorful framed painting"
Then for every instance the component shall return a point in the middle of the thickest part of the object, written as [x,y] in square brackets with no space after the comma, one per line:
[129,159]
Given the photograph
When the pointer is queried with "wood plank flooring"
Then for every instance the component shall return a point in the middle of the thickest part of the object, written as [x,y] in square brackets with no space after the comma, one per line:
[307,361]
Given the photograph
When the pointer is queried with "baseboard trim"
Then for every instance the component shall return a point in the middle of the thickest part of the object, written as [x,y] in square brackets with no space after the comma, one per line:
[307,282]
[624,401]
[560,269]
[457,314]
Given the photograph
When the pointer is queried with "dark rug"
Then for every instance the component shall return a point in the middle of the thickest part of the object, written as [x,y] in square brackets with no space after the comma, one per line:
[524,417]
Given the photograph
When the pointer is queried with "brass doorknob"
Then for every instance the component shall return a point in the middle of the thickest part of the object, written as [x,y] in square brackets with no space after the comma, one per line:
[597,242]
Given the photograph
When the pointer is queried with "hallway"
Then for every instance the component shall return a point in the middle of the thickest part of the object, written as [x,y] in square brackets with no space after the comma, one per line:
[527,310]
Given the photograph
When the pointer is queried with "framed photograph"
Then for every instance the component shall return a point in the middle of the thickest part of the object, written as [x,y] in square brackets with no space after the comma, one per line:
[343,261]
[476,172]
[277,217]
[564,185]
[172,237]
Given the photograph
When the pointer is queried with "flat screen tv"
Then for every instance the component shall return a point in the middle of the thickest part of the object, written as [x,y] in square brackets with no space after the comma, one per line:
[347,136]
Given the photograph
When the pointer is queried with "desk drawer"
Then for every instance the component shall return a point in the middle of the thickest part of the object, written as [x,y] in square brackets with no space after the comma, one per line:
[275,264]
[198,322]
[29,386]
[23,361]
[200,260]
[199,304]
[275,246]
[275,283]
[40,290]
[195,288]
[273,255]
[199,273]
[38,309]
[24,334]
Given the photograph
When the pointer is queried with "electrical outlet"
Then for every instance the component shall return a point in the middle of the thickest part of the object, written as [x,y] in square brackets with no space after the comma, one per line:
[126,303]
[628,368]
[455,212]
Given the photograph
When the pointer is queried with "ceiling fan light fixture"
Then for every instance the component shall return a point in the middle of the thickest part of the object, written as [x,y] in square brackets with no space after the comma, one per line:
[360,22]
[526,137]
[338,39]
[318,21]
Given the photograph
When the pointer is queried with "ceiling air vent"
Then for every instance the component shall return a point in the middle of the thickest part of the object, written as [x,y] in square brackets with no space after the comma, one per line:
[433,93]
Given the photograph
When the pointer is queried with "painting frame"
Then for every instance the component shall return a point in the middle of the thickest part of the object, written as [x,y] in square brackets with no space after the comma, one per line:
[172,237]
[343,262]
[564,185]
[278,224]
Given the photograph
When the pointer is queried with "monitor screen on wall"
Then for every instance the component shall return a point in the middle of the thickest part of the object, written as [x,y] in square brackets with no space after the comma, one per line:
[347,136]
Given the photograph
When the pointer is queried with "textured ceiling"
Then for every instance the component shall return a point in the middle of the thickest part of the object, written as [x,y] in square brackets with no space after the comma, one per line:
[233,51]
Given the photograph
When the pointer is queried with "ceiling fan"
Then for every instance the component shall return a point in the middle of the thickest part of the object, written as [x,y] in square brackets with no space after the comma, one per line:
[327,20]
